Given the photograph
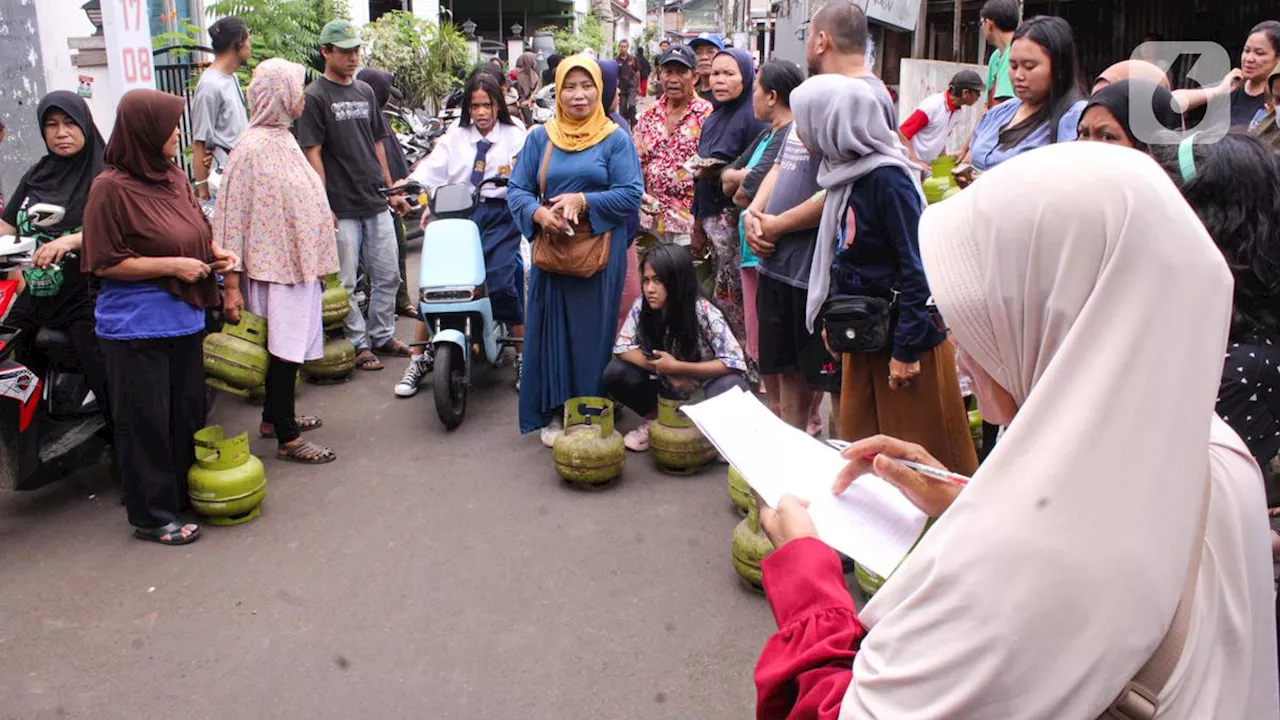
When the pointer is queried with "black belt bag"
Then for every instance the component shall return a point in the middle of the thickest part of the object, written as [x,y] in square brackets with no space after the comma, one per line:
[859,323]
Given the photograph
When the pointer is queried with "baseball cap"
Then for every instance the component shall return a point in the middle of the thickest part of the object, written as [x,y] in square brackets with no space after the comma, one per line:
[340,34]
[967,80]
[681,54]
[711,38]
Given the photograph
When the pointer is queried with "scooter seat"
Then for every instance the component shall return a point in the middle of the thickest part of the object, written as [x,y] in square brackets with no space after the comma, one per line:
[50,339]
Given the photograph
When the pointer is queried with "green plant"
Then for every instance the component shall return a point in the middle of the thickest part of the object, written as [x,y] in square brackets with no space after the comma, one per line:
[428,59]
[590,34]
[288,29]
[187,35]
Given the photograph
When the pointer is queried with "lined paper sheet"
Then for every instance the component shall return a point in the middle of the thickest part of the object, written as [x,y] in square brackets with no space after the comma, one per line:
[870,522]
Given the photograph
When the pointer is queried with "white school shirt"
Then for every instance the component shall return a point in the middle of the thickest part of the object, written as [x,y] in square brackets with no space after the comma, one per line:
[930,125]
[451,160]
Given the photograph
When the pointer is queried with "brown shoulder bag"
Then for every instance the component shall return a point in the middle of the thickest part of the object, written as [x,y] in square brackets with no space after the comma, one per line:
[581,254]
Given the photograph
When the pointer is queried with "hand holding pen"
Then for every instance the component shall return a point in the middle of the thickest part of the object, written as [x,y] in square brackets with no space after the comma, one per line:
[907,466]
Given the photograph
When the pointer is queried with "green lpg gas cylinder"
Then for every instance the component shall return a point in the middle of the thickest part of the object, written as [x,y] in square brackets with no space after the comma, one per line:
[750,547]
[740,492]
[227,484]
[867,580]
[940,179]
[589,453]
[338,362]
[951,192]
[675,442]
[235,358]
[975,428]
[334,302]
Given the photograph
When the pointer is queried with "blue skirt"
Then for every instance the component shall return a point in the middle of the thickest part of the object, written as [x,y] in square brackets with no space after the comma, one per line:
[504,273]
[570,329]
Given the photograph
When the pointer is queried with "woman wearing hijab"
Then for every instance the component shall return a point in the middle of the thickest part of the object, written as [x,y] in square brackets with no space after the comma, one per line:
[273,213]
[727,132]
[148,241]
[527,83]
[549,75]
[1046,583]
[1106,117]
[383,83]
[867,246]
[631,285]
[593,175]
[56,293]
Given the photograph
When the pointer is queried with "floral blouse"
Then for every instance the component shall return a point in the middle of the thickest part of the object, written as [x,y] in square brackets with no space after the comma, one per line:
[662,157]
[717,342]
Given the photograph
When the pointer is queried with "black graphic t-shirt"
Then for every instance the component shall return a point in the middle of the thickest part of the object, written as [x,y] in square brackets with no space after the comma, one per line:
[344,121]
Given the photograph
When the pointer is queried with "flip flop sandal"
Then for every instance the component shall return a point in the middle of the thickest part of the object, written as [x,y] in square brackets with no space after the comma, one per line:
[170,534]
[408,311]
[307,454]
[304,422]
[393,347]
[366,360]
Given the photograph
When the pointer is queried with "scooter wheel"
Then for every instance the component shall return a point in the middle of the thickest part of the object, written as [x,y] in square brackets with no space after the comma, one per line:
[450,384]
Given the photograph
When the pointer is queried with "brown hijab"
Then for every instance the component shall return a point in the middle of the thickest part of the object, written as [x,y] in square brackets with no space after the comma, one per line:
[142,204]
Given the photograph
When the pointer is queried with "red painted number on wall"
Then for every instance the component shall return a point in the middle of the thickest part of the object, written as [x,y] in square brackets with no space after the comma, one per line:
[137,64]
[132,14]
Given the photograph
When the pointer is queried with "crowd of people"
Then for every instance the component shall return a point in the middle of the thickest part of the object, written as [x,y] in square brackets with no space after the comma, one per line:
[1104,289]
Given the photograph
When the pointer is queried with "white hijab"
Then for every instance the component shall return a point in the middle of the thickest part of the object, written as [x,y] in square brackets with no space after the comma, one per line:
[1080,280]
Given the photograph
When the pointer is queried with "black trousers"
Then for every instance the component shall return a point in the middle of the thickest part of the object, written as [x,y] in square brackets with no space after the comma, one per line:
[158,403]
[636,389]
[277,408]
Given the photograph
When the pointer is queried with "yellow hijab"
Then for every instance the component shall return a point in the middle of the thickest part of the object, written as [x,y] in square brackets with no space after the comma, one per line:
[574,135]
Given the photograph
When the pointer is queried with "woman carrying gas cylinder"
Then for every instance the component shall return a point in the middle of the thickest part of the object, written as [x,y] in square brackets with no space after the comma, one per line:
[56,293]
[148,241]
[481,146]
[579,169]
[674,342]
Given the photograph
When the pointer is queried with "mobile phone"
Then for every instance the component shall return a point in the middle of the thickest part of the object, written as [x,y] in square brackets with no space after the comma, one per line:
[965,169]
[650,355]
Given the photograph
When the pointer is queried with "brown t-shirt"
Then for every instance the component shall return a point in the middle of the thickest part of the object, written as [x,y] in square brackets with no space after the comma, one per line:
[126,217]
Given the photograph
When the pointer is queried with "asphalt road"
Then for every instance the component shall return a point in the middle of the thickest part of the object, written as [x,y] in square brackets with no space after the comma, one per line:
[423,574]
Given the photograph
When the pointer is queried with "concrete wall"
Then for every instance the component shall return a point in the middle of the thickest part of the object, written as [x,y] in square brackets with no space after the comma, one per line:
[922,78]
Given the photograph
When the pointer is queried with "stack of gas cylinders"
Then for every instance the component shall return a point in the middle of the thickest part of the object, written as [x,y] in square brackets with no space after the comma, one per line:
[339,354]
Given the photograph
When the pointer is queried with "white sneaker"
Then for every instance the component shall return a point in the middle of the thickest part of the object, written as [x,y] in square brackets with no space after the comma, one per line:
[417,371]
[638,440]
[552,432]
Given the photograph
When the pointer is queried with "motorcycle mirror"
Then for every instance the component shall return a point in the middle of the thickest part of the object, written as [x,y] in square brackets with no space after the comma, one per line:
[46,215]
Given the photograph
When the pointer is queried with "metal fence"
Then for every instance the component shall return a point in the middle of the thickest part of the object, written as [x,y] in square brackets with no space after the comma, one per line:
[176,71]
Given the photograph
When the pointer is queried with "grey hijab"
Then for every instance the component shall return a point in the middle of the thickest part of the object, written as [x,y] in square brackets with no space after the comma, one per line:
[839,118]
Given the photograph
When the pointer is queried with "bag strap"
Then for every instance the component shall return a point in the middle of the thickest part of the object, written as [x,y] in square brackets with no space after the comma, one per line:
[542,170]
[1140,698]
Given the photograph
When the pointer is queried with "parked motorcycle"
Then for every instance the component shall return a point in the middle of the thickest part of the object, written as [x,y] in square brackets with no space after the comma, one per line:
[49,426]
[454,300]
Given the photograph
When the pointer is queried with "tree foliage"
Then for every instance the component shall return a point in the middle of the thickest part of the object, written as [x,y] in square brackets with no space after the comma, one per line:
[429,60]
[590,34]
[288,29]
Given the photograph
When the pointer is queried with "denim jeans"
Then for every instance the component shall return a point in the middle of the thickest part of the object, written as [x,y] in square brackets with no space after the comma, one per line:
[371,240]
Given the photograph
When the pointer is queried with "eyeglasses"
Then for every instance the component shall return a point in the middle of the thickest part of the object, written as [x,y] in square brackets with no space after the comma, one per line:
[803,30]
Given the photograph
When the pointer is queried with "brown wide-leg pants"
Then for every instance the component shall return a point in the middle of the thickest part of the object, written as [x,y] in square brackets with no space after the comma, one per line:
[929,412]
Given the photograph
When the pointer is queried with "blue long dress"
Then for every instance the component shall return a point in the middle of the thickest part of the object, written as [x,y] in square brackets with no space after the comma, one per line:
[570,322]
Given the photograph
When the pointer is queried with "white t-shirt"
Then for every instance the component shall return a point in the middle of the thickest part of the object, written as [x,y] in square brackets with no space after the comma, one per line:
[930,125]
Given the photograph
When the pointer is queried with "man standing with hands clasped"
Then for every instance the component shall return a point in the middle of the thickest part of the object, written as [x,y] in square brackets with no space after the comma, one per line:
[341,133]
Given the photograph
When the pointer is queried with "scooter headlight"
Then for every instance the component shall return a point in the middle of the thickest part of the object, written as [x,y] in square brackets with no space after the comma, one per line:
[454,294]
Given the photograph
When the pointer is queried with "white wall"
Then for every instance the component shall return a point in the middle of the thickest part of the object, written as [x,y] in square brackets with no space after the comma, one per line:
[922,78]
[59,20]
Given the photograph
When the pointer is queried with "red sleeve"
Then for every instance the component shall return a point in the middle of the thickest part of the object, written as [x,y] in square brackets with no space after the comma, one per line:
[807,665]
[914,124]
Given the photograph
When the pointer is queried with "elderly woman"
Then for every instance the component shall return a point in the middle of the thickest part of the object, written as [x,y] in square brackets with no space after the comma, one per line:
[578,169]
[1094,511]
[148,241]
[273,213]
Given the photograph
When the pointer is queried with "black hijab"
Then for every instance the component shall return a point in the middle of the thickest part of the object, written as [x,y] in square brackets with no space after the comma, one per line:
[382,83]
[65,181]
[549,75]
[726,133]
[1115,98]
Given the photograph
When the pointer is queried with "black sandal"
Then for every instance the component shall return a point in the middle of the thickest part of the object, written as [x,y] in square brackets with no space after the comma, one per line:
[366,360]
[306,453]
[304,422]
[170,534]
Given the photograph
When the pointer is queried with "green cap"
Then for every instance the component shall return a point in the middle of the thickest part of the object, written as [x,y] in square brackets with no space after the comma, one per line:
[340,34]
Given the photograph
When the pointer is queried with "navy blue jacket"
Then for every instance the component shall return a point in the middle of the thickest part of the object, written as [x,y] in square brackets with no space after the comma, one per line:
[880,252]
